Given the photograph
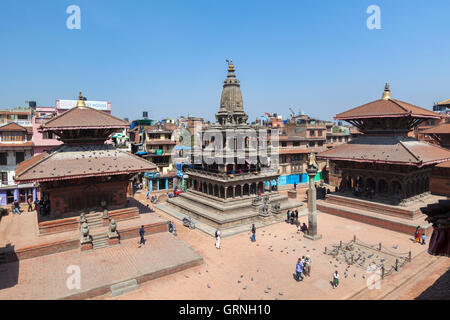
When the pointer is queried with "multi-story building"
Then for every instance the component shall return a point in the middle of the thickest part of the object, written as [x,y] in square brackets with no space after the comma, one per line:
[337,135]
[21,116]
[441,108]
[15,146]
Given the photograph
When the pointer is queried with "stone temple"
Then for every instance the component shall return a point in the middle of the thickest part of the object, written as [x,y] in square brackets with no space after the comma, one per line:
[225,194]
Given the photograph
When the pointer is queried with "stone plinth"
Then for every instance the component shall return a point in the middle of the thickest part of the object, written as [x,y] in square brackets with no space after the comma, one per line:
[113,241]
[292,194]
[86,246]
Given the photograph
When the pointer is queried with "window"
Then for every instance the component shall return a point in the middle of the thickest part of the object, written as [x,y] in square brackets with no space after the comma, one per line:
[12,136]
[296,143]
[23,117]
[9,196]
[283,144]
[48,135]
[319,133]
[20,156]
[3,158]
[312,143]
[312,133]
[320,143]
[4,176]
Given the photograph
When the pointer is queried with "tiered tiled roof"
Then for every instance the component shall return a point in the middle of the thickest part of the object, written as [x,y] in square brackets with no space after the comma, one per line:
[386,108]
[84,118]
[69,162]
[385,149]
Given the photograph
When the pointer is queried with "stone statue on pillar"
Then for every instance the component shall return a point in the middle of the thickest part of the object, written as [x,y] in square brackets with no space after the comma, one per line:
[312,210]
[85,237]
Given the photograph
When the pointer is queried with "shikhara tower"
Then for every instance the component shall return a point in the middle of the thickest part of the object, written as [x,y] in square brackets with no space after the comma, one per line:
[226,183]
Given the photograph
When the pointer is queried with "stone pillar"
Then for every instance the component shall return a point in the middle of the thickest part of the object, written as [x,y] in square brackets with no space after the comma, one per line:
[312,211]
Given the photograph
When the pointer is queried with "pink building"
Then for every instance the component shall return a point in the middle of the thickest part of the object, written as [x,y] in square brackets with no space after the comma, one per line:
[43,142]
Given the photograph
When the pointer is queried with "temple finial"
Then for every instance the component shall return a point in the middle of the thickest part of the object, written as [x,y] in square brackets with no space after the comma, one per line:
[81,99]
[230,66]
[386,93]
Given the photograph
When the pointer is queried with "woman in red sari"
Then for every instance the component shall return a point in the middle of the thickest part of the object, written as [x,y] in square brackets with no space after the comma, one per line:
[419,235]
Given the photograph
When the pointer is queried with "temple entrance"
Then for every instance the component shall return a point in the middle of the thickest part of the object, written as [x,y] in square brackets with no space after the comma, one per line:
[382,187]
[371,184]
[91,195]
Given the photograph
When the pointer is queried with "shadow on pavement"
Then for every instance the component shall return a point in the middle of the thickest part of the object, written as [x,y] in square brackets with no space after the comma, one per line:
[9,267]
[439,290]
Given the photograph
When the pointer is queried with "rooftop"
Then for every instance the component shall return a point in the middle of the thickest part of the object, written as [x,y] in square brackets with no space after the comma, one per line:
[385,149]
[386,107]
[70,161]
[441,129]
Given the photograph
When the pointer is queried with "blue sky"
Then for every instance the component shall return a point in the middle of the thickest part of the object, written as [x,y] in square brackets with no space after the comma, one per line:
[168,57]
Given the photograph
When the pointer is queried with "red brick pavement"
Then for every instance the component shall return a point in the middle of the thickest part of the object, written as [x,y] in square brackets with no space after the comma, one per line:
[45,277]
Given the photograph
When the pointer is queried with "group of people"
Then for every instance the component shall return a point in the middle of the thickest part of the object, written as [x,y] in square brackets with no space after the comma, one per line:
[292,218]
[359,192]
[303,267]
[42,207]
[419,235]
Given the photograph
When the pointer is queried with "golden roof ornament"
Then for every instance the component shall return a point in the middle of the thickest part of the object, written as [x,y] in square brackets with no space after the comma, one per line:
[230,66]
[386,93]
[81,100]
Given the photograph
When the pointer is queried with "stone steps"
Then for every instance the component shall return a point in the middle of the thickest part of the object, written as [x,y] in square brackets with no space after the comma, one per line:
[124,287]
[377,219]
[99,241]
[94,220]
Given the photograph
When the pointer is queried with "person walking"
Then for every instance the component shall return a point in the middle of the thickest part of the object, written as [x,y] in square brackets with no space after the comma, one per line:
[253,233]
[141,234]
[299,270]
[218,235]
[30,205]
[295,185]
[307,267]
[424,237]
[419,235]
[335,279]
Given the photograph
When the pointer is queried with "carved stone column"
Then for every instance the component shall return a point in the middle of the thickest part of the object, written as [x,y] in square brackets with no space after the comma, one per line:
[312,210]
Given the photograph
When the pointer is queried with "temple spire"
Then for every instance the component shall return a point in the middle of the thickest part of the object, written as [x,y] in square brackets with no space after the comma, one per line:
[80,102]
[386,93]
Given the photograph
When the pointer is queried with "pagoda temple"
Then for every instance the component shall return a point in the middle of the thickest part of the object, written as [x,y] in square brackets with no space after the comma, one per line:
[84,174]
[225,194]
[383,171]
